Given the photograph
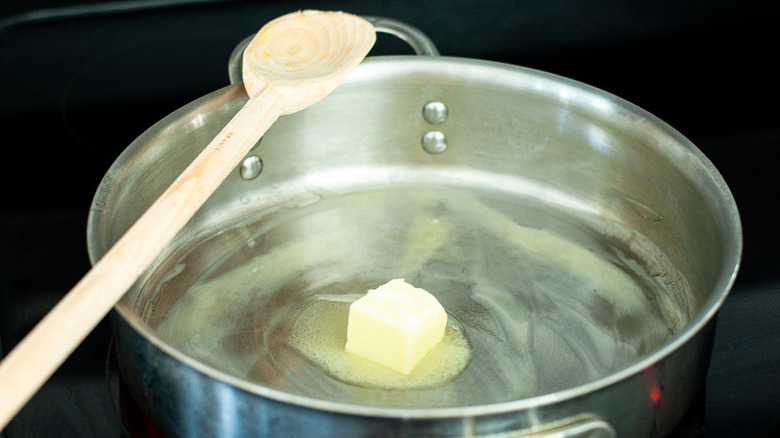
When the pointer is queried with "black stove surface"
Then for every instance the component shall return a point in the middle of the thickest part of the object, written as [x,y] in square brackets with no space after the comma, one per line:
[80,80]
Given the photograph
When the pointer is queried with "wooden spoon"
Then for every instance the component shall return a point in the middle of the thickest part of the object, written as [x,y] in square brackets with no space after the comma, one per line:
[293,62]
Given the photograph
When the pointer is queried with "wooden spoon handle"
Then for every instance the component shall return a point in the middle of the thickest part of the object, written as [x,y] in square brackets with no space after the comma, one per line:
[42,351]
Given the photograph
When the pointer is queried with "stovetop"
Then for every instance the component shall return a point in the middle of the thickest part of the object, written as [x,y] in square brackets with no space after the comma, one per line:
[80,80]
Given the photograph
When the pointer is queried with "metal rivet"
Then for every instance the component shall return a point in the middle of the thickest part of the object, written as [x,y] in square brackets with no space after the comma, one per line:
[434,113]
[434,142]
[251,167]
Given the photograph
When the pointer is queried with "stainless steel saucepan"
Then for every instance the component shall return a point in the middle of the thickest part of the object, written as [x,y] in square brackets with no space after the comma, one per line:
[581,244]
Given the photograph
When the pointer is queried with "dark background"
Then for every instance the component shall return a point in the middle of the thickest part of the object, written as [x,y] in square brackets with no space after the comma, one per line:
[79,80]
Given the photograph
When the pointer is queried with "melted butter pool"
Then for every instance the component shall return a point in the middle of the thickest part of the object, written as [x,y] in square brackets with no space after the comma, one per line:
[320,332]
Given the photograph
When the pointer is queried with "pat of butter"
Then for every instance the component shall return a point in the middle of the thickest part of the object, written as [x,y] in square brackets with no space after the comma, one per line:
[395,325]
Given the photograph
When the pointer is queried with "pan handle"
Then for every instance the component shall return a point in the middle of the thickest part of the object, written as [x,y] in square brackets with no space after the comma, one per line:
[418,41]
[580,426]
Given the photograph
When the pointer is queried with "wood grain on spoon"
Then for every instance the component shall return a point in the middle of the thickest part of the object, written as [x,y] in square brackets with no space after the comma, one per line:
[293,62]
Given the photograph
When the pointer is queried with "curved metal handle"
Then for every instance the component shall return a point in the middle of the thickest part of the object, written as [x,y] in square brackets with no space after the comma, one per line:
[418,41]
[580,426]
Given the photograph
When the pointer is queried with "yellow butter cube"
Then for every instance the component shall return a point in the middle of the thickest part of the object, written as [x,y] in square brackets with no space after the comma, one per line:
[395,325]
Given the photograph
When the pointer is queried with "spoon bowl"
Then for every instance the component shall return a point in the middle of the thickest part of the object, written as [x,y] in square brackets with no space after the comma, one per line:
[305,55]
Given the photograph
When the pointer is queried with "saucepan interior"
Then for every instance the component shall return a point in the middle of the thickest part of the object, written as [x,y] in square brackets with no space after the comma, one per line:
[574,238]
